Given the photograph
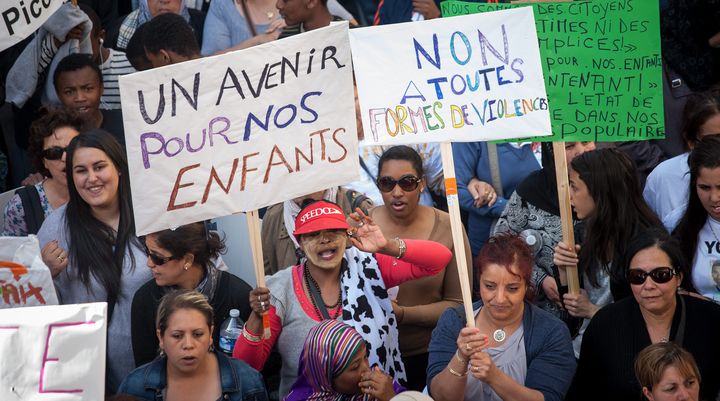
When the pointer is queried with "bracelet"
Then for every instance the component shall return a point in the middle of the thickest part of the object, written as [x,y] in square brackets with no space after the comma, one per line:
[456,374]
[251,337]
[402,246]
[457,355]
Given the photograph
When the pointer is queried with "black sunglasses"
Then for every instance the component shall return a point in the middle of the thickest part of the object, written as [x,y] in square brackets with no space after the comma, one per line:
[660,275]
[53,153]
[158,260]
[407,183]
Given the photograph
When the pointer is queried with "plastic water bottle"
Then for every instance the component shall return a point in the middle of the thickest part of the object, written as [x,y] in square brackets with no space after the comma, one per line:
[230,331]
[533,240]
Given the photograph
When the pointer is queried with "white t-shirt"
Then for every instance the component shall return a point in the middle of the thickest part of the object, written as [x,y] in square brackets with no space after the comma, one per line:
[707,259]
[666,188]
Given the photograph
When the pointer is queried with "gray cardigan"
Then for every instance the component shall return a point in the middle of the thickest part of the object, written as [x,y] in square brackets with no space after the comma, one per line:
[548,347]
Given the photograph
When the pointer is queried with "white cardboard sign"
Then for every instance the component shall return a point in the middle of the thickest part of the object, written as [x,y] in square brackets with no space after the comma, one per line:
[460,79]
[220,135]
[20,18]
[53,353]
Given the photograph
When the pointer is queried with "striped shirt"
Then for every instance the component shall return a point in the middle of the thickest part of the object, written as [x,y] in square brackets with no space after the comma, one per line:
[117,64]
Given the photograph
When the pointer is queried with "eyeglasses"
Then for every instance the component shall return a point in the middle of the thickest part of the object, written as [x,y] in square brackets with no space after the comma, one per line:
[158,260]
[660,275]
[53,153]
[407,183]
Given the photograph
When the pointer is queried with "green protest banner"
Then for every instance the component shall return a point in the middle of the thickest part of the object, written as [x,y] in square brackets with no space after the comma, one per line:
[602,66]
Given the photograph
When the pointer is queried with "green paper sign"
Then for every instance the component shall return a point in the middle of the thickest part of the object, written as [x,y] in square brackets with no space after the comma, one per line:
[602,66]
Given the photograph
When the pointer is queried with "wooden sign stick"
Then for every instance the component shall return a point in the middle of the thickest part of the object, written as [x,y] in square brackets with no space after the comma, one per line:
[568,273]
[253,220]
[456,225]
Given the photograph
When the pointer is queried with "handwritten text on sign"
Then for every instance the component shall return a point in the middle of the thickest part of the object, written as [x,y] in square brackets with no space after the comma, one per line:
[465,79]
[602,67]
[20,18]
[24,279]
[237,132]
[53,352]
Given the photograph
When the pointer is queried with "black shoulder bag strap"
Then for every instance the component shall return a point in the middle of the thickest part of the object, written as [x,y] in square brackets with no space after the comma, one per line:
[34,215]
[680,336]
[319,304]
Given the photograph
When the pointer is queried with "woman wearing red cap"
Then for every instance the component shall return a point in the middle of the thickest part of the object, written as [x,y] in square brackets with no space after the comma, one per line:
[344,276]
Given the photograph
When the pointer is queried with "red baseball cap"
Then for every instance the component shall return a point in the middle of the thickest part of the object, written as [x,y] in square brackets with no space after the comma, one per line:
[320,216]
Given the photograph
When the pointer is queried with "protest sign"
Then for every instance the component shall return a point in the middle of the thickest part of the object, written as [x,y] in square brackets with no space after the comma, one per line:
[470,78]
[20,18]
[53,353]
[602,67]
[237,132]
[24,279]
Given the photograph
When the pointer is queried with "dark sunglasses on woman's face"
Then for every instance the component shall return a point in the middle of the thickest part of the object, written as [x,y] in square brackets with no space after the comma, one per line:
[660,275]
[158,260]
[407,183]
[53,153]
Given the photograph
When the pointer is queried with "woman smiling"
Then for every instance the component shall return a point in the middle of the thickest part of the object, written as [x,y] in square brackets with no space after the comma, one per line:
[93,251]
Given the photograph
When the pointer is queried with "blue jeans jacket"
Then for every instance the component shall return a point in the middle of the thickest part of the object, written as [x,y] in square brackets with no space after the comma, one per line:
[239,382]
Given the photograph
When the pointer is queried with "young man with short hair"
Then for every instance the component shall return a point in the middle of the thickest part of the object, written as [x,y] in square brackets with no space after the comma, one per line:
[79,86]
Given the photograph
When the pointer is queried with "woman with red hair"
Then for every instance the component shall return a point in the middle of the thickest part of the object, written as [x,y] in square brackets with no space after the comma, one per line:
[515,351]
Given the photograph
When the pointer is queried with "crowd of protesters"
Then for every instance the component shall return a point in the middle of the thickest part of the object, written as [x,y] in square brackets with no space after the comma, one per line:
[363,295]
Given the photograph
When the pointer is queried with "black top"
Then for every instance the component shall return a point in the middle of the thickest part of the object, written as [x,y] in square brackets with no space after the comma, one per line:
[231,293]
[617,333]
[113,123]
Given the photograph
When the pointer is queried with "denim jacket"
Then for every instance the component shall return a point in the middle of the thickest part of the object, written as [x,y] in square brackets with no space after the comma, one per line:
[239,382]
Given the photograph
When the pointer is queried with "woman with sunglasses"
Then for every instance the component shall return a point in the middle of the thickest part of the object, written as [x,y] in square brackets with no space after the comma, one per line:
[419,303]
[699,228]
[90,246]
[655,313]
[342,277]
[605,195]
[49,136]
[184,258]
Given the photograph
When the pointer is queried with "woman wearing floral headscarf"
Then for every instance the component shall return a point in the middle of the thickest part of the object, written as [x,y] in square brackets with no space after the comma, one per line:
[334,366]
[120,32]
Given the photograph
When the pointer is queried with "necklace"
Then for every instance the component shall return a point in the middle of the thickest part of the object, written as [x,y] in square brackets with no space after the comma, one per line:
[309,280]
[499,335]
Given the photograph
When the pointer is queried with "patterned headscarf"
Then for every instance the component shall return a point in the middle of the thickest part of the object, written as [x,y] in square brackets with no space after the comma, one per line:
[329,348]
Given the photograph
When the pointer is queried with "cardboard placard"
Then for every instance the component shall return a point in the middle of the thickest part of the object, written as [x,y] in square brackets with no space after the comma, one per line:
[462,79]
[53,353]
[602,66]
[220,135]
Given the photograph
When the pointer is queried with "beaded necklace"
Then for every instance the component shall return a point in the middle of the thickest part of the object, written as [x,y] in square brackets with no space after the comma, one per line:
[310,281]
